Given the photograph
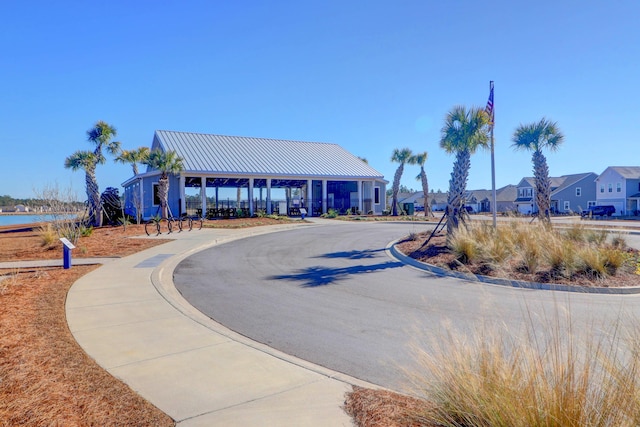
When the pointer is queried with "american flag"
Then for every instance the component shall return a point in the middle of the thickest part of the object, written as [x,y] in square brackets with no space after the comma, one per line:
[489,108]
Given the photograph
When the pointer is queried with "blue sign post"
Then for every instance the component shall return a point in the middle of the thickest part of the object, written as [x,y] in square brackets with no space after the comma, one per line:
[66,253]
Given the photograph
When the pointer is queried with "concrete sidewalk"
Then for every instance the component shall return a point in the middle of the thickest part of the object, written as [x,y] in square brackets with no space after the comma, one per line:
[129,317]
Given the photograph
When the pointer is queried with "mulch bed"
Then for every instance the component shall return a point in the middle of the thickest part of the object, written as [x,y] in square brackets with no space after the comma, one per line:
[383,408]
[437,253]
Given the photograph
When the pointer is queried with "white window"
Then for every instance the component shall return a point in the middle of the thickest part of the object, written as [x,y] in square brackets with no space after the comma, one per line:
[602,188]
[578,191]
[376,195]
[610,188]
[618,187]
[590,203]
[567,206]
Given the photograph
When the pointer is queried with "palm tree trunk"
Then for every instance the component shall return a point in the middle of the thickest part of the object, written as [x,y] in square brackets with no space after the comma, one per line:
[396,189]
[163,195]
[457,187]
[543,185]
[425,192]
[93,197]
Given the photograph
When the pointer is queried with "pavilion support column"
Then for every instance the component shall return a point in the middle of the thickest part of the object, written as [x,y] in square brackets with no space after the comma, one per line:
[216,197]
[183,202]
[324,196]
[309,198]
[203,195]
[372,197]
[141,195]
[269,196]
[250,196]
[360,195]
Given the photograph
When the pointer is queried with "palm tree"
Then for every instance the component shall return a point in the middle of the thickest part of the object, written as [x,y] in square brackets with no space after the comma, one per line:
[534,137]
[133,157]
[399,156]
[86,161]
[166,162]
[463,132]
[420,159]
[101,135]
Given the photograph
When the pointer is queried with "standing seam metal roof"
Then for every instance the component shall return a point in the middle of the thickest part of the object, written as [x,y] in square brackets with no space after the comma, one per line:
[209,153]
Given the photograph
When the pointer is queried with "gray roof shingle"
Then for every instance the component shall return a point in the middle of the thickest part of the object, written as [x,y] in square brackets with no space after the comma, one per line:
[627,172]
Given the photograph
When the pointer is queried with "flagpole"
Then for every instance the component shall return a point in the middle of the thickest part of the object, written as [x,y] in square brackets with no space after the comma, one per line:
[493,162]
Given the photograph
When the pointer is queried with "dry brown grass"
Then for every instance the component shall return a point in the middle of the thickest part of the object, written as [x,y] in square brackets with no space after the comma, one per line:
[103,242]
[569,376]
[571,256]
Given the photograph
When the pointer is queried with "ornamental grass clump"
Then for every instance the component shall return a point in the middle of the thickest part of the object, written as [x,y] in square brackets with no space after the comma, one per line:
[541,252]
[551,373]
[464,246]
[560,255]
[47,234]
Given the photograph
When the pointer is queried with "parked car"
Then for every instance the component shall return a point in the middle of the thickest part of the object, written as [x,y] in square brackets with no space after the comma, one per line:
[600,210]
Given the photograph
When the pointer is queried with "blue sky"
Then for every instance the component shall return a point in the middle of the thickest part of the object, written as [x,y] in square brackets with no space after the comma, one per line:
[368,75]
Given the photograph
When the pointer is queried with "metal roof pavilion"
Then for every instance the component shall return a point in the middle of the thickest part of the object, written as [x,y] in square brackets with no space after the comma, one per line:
[247,156]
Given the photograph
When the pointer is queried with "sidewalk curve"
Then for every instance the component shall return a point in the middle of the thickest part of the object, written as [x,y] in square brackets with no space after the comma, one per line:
[129,317]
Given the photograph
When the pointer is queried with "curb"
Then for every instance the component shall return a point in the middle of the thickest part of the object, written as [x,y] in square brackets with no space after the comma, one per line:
[393,252]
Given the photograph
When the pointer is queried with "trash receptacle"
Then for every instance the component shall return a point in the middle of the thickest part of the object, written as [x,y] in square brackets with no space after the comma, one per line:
[408,208]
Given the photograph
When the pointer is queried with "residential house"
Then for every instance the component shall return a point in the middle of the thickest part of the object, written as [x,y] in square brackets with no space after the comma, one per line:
[506,198]
[437,200]
[480,200]
[569,194]
[620,186]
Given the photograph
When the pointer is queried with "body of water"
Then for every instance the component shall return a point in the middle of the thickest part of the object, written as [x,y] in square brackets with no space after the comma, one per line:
[23,219]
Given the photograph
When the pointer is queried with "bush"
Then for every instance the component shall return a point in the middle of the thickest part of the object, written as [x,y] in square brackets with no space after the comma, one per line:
[86,231]
[331,213]
[62,205]
[47,234]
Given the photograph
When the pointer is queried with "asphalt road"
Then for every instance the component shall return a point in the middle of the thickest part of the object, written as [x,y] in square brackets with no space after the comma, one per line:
[330,294]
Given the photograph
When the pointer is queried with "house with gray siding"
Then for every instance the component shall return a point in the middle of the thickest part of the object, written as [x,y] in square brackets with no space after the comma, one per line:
[480,200]
[620,186]
[569,194]
[243,175]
